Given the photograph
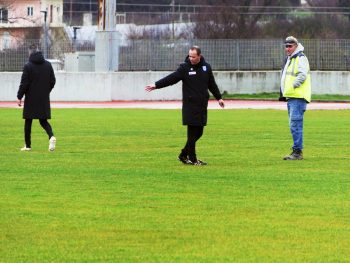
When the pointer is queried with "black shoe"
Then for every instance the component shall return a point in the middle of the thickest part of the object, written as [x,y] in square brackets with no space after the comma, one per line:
[295,155]
[183,159]
[197,162]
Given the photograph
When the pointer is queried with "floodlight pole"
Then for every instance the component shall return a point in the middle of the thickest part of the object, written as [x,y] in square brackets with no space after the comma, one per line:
[45,34]
[107,38]
[172,19]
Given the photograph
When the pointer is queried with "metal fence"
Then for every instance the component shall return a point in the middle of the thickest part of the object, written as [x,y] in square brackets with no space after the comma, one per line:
[221,54]
[144,55]
[13,58]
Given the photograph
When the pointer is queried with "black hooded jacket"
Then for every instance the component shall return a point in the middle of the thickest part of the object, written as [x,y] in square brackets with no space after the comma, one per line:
[196,81]
[37,81]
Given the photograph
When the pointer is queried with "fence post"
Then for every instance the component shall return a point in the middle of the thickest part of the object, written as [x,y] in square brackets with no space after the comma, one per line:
[237,54]
[150,54]
[318,54]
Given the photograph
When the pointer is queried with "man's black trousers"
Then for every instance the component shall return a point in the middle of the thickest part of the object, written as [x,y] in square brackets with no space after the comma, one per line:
[193,134]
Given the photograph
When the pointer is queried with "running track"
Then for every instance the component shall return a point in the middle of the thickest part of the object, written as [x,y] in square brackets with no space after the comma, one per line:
[229,104]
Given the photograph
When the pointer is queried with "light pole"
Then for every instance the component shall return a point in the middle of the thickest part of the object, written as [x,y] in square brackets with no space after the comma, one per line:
[70,12]
[172,16]
[75,28]
[45,34]
[107,40]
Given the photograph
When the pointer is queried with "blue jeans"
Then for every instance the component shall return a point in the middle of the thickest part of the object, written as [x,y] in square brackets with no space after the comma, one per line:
[296,109]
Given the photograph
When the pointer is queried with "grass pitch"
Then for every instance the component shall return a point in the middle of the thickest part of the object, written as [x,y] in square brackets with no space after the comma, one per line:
[113,191]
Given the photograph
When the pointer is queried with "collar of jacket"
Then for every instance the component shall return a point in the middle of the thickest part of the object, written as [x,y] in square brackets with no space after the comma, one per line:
[299,54]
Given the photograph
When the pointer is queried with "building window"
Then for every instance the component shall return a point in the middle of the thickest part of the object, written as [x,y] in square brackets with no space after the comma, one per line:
[30,11]
[5,40]
[3,15]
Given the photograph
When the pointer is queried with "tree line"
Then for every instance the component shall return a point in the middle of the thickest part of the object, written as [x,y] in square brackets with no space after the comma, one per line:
[243,19]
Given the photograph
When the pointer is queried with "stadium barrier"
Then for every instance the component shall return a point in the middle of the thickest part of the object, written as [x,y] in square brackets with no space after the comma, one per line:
[91,86]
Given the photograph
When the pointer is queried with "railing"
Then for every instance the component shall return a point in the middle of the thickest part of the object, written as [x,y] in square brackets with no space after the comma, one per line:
[158,55]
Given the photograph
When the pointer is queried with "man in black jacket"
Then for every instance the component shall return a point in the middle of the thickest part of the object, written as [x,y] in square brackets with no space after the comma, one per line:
[37,81]
[197,78]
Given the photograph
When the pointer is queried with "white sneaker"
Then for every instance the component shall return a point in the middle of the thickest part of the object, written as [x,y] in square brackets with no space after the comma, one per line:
[25,148]
[52,143]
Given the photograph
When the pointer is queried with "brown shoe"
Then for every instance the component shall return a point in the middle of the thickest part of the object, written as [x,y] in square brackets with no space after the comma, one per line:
[295,155]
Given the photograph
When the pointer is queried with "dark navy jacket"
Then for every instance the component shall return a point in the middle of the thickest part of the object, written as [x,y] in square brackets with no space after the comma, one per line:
[37,81]
[197,80]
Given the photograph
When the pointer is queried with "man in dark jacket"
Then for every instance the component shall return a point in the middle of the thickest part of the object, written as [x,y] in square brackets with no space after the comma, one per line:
[37,81]
[197,78]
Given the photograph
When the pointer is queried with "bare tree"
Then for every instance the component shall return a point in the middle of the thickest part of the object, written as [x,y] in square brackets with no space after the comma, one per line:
[232,19]
[345,4]
[323,20]
[8,5]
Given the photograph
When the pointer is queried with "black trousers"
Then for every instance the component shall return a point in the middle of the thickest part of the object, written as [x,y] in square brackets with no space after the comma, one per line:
[28,130]
[193,135]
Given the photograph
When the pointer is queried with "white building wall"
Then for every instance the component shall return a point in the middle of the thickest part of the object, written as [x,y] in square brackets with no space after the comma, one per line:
[54,10]
[82,86]
[131,86]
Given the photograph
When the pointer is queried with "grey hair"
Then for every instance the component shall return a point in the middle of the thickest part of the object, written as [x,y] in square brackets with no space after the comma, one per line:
[291,40]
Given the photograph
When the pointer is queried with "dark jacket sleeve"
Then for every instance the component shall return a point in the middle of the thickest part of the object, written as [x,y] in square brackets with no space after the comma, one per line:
[52,78]
[213,87]
[25,82]
[171,79]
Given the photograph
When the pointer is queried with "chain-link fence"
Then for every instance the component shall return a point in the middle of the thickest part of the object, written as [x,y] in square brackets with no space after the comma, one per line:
[13,58]
[158,55]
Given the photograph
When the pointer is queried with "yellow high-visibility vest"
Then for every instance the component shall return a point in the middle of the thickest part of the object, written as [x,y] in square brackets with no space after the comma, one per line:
[304,90]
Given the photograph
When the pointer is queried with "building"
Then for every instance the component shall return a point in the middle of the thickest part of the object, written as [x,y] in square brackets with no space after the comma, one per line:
[25,19]
[80,13]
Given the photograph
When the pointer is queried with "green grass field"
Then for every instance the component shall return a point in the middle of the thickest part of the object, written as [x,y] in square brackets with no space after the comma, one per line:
[113,191]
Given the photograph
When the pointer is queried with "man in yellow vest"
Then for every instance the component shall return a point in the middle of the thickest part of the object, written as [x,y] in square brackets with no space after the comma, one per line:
[296,90]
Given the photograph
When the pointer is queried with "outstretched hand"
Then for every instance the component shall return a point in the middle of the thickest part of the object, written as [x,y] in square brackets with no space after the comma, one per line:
[150,87]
